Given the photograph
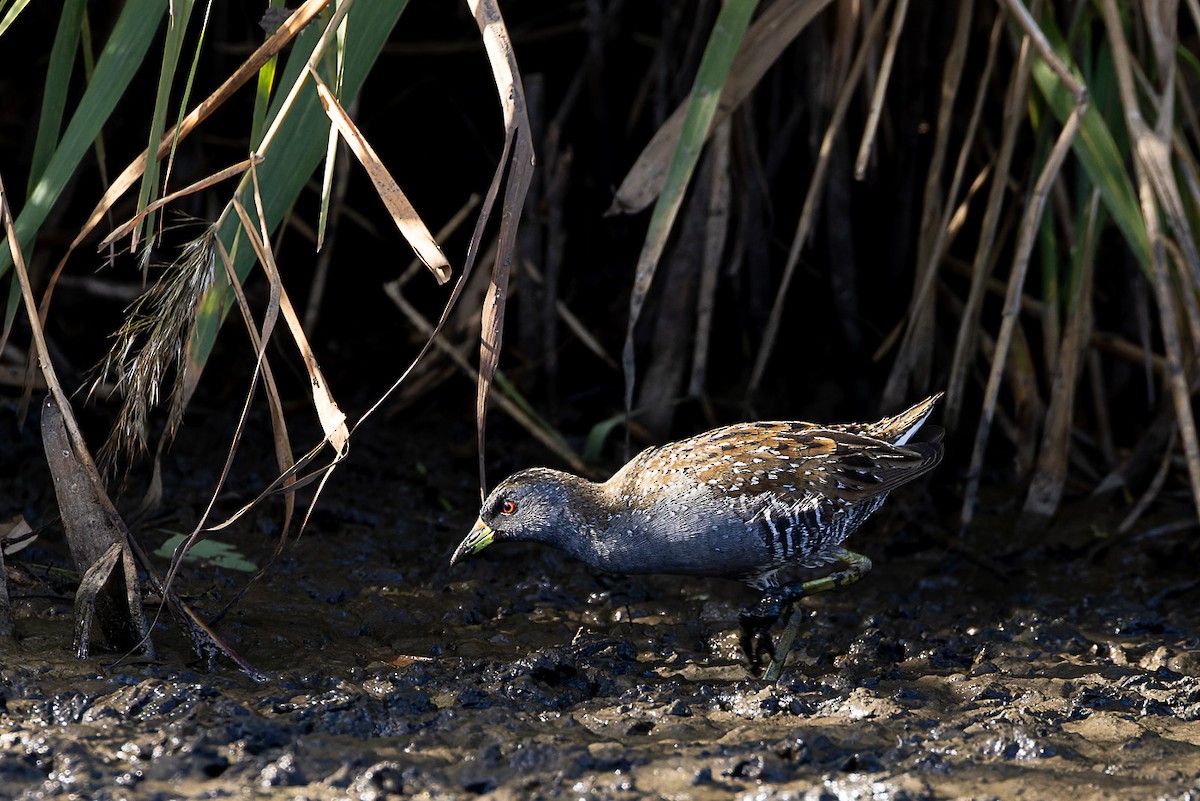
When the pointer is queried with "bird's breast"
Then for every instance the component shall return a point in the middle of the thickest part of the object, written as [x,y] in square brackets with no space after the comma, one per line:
[679,539]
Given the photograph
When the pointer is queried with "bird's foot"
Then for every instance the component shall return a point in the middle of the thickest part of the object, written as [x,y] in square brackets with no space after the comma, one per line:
[756,643]
[759,618]
[756,632]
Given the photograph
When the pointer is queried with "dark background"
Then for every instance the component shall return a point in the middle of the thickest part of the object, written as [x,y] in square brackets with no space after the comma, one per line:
[609,73]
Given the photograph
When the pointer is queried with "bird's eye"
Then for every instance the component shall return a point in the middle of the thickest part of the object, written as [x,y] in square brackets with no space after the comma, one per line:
[508,507]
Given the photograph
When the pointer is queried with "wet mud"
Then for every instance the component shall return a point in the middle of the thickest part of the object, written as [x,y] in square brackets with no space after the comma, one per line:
[978,667]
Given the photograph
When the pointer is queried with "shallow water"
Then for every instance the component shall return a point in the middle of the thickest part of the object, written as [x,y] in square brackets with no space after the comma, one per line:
[974,668]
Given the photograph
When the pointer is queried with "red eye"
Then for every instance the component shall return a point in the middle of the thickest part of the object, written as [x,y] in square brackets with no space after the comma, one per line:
[508,507]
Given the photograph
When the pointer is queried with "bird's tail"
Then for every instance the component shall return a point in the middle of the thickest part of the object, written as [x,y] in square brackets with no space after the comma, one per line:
[899,429]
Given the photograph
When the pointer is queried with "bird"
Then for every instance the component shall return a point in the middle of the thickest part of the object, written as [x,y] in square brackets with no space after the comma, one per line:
[744,501]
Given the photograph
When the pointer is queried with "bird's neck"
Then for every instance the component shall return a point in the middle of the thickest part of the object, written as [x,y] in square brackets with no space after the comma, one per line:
[585,505]
[583,514]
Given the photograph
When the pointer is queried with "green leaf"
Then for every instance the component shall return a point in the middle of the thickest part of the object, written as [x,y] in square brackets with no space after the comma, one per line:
[1095,147]
[54,93]
[339,58]
[122,55]
[187,93]
[11,16]
[596,437]
[706,92]
[215,552]
[296,151]
[176,30]
[727,33]
[262,92]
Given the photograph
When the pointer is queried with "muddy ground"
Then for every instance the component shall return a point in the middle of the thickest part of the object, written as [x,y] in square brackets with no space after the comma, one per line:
[977,667]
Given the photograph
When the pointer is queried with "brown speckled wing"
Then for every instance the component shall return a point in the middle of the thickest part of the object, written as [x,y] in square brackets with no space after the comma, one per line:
[784,459]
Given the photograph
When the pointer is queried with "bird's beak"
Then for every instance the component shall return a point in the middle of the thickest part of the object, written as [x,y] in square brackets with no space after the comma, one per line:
[479,538]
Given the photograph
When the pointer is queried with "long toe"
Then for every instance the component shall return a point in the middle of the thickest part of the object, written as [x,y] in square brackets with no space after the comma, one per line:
[756,641]
[756,623]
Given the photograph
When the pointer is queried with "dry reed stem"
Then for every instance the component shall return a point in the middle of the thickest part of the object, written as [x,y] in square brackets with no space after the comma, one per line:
[954,221]
[1106,341]
[916,354]
[40,348]
[1153,490]
[766,39]
[284,457]
[553,442]
[407,221]
[1027,235]
[849,16]
[1028,407]
[80,455]
[1099,398]
[332,418]
[1152,182]
[809,211]
[1050,474]
[1038,39]
[1147,448]
[866,147]
[986,346]
[518,160]
[125,228]
[573,323]
[301,17]
[258,341]
[716,229]
[1014,119]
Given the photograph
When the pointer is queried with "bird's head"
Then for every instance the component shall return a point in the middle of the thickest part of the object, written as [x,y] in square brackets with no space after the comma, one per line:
[534,505]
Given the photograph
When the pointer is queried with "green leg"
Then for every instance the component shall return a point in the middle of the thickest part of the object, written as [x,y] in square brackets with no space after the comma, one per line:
[857,566]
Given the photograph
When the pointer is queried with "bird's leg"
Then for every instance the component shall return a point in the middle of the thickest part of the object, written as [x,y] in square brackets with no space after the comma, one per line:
[857,566]
[757,620]
[786,639]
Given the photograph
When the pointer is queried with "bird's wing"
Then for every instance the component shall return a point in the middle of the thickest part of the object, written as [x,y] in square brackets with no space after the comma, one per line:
[788,460]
